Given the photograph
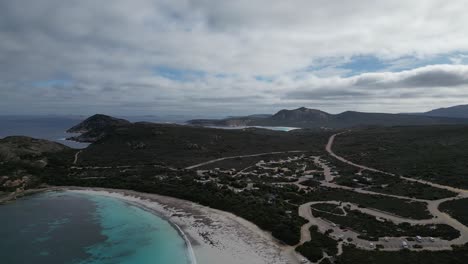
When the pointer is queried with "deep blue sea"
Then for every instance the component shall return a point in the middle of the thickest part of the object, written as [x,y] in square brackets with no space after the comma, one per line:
[69,227]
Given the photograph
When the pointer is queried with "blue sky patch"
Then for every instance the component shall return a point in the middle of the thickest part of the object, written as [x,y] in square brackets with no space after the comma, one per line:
[369,63]
[260,78]
[364,63]
[178,74]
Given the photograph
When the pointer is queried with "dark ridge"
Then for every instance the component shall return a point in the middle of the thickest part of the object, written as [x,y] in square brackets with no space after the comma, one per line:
[312,118]
[97,121]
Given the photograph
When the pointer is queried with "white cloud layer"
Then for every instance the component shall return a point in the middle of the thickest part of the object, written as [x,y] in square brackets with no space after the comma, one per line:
[107,55]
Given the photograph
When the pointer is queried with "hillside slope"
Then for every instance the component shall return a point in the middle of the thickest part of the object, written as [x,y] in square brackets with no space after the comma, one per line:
[22,159]
[97,121]
[177,145]
[312,118]
[458,111]
[96,127]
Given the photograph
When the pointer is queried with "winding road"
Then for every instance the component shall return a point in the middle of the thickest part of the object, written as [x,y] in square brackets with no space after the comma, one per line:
[329,146]
[242,156]
[76,157]
[388,243]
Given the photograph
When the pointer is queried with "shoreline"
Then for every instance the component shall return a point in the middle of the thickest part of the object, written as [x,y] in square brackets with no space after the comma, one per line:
[214,236]
[107,193]
[17,195]
[188,244]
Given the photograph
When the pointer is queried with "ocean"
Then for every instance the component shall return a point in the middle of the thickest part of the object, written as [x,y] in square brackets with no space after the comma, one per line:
[54,128]
[79,228]
[43,127]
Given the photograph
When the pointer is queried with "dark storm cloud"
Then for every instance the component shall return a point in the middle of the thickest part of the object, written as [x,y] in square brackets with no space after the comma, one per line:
[438,78]
[425,77]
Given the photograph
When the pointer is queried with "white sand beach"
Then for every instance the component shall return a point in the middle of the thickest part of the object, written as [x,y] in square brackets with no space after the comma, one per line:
[215,236]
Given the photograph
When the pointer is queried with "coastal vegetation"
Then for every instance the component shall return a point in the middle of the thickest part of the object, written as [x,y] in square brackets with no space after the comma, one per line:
[22,160]
[457,209]
[384,183]
[409,209]
[256,206]
[262,176]
[182,146]
[434,153]
[372,229]
[353,255]
[318,245]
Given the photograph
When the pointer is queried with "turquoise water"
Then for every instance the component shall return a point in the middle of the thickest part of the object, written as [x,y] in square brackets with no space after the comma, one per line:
[67,227]
[285,129]
[276,128]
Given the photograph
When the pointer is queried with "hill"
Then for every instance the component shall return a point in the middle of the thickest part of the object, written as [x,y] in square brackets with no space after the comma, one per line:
[312,118]
[17,148]
[22,158]
[96,127]
[97,121]
[179,146]
[458,111]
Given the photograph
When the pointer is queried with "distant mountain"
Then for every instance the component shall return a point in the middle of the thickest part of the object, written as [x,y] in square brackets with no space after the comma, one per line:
[260,116]
[458,111]
[312,118]
[301,117]
[97,121]
[95,127]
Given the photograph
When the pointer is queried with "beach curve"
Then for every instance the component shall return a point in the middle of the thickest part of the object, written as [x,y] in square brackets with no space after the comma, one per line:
[211,235]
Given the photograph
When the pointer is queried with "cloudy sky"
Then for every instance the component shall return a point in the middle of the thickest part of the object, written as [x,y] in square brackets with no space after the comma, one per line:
[212,58]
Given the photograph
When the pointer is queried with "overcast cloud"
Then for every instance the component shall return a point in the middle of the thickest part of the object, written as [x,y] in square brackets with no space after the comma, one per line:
[231,57]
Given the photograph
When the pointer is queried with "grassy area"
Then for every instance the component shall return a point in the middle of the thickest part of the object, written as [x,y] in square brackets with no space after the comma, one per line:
[414,210]
[434,153]
[382,183]
[242,163]
[181,146]
[351,255]
[457,209]
[331,208]
[23,159]
[371,229]
[319,243]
